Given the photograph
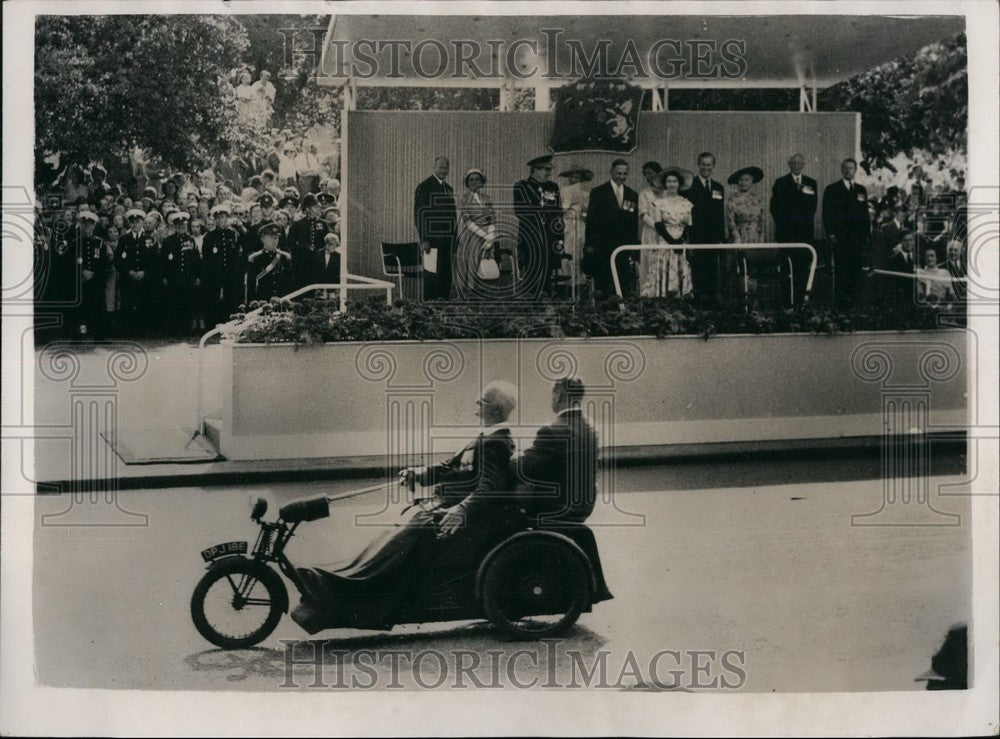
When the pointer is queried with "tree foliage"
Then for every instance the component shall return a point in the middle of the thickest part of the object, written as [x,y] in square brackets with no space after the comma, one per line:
[105,84]
[918,102]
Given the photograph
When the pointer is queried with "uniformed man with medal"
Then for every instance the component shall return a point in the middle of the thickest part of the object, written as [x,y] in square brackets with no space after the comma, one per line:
[180,267]
[269,271]
[305,237]
[538,206]
[222,268]
[135,263]
[93,264]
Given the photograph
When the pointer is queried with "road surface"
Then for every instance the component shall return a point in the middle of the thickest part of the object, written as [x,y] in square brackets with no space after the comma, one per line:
[753,586]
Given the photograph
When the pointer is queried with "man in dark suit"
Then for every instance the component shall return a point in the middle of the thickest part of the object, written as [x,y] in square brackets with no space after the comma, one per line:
[898,291]
[538,206]
[326,262]
[708,226]
[848,226]
[889,236]
[612,221]
[793,207]
[560,467]
[435,217]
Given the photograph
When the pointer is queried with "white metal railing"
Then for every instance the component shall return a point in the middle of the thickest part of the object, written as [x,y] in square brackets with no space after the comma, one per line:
[360,283]
[917,275]
[684,248]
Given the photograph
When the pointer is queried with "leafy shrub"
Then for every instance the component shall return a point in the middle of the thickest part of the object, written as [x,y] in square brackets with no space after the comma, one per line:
[317,321]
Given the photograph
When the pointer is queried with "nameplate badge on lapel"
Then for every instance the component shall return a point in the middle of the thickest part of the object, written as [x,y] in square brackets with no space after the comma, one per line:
[716,195]
[808,190]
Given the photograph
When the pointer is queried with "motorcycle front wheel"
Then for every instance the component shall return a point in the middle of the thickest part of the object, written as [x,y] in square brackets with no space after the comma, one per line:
[237,604]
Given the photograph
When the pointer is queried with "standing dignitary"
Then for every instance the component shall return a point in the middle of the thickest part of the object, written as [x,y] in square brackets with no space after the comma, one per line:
[93,264]
[794,198]
[135,262]
[538,206]
[222,268]
[847,225]
[436,219]
[708,226]
[612,221]
[180,267]
[305,238]
[269,271]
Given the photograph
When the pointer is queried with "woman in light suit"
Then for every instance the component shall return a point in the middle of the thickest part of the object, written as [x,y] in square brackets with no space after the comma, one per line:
[476,238]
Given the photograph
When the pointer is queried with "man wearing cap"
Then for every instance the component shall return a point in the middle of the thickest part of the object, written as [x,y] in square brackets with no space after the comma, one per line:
[612,221]
[269,271]
[331,216]
[305,237]
[435,217]
[847,226]
[538,206]
[93,267]
[794,198]
[180,270]
[222,268]
[135,262]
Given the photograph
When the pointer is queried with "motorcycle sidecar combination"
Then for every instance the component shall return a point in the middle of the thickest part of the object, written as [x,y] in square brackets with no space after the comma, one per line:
[533,583]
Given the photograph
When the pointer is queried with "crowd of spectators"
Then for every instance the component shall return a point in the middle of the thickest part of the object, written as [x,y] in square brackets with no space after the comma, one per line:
[126,247]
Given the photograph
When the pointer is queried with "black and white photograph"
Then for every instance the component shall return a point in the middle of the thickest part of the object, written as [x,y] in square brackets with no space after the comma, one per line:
[490,368]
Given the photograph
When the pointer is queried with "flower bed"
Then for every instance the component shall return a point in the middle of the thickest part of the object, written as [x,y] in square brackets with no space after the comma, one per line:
[400,382]
[319,321]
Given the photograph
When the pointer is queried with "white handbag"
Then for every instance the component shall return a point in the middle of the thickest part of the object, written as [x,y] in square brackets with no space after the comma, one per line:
[488,268]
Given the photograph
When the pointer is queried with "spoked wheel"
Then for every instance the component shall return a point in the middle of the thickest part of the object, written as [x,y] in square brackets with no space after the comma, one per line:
[535,588]
[238,604]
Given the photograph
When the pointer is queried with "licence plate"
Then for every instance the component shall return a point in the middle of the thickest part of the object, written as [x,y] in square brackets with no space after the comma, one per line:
[222,550]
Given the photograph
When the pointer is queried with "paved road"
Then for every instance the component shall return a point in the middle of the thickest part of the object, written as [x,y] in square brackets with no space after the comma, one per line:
[772,574]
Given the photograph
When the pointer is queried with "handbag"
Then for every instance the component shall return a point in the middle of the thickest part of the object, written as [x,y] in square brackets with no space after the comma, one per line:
[488,269]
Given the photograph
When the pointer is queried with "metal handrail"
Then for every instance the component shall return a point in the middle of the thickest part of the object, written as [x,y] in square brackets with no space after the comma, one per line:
[917,275]
[362,283]
[705,247]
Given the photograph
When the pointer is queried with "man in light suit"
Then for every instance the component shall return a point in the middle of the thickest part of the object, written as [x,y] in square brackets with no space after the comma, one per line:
[435,217]
[794,198]
[612,221]
[708,226]
[848,226]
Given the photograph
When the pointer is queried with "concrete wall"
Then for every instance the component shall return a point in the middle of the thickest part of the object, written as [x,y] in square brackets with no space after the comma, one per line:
[419,398]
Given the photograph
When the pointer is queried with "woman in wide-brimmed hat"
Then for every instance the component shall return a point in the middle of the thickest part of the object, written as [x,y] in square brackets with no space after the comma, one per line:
[744,209]
[669,274]
[574,201]
[476,239]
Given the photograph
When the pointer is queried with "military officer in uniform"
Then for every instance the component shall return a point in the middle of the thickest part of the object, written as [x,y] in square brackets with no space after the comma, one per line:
[305,237]
[269,271]
[538,207]
[93,263]
[180,268]
[135,261]
[222,269]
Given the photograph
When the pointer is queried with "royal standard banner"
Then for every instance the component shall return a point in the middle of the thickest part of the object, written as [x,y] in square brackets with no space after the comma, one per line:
[596,115]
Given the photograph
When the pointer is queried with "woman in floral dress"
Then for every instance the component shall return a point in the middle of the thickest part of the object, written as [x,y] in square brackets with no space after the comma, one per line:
[669,274]
[574,201]
[745,225]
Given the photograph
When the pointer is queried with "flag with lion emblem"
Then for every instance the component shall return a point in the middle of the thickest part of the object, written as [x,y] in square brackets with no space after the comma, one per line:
[596,115]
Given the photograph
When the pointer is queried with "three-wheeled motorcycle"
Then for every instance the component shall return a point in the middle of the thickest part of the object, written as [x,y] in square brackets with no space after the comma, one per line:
[533,584]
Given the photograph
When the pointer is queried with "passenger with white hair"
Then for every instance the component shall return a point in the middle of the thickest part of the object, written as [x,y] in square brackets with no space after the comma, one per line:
[474,492]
